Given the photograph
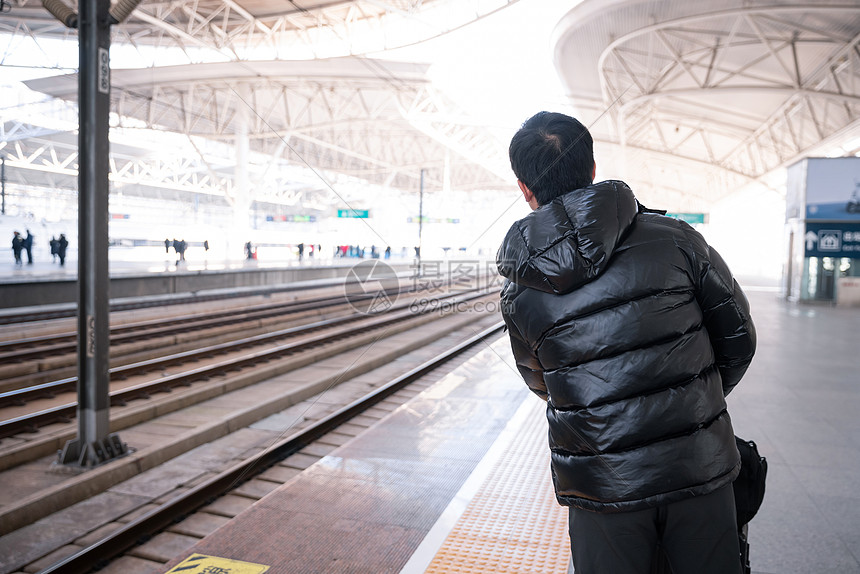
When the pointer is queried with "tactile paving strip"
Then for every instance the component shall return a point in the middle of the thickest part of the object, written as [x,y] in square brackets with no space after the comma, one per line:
[513,524]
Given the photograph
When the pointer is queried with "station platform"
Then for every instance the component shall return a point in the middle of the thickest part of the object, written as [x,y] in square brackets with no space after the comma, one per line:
[46,270]
[457,479]
[47,283]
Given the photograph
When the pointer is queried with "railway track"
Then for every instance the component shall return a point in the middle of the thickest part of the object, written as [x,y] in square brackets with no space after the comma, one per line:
[174,511]
[47,358]
[22,392]
[39,503]
[14,351]
[31,422]
[28,454]
[39,359]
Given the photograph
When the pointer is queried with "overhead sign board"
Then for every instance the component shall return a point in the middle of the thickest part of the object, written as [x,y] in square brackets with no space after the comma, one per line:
[353,213]
[832,239]
[292,218]
[691,218]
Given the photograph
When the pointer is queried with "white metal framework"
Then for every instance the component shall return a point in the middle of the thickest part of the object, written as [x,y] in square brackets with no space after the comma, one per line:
[688,99]
[261,29]
[236,96]
[377,121]
[733,89]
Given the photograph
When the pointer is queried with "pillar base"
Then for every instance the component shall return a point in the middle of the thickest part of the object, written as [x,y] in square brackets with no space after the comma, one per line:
[92,454]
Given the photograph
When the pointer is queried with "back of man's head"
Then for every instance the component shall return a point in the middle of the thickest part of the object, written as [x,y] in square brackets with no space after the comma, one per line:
[552,154]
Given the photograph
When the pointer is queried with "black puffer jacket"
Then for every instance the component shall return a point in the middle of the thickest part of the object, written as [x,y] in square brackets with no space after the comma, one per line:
[633,330]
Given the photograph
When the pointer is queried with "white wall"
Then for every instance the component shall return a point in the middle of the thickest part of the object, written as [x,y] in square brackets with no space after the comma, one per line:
[748,231]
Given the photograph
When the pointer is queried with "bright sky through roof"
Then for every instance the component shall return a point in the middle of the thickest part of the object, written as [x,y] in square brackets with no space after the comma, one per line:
[500,69]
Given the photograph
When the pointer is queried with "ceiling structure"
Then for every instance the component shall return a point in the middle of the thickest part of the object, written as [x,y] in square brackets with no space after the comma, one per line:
[376,121]
[272,29]
[692,99]
[346,116]
[689,100]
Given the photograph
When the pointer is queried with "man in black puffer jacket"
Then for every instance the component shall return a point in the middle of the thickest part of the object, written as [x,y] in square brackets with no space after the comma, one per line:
[633,330]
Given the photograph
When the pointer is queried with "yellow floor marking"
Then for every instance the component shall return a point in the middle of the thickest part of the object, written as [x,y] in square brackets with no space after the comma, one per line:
[513,524]
[202,564]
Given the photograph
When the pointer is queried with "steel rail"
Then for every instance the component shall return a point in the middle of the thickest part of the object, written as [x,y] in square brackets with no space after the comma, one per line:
[12,351]
[19,397]
[65,413]
[142,325]
[99,553]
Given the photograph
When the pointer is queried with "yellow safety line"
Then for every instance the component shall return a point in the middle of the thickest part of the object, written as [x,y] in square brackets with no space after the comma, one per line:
[513,524]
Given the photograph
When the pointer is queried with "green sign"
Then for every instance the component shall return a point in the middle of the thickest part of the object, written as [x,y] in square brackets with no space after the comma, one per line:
[355,213]
[691,218]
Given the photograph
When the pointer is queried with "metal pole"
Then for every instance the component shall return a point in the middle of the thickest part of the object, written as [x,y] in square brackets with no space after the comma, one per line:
[3,184]
[94,444]
[420,217]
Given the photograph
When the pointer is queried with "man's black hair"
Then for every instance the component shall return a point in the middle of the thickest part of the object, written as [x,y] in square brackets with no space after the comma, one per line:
[552,154]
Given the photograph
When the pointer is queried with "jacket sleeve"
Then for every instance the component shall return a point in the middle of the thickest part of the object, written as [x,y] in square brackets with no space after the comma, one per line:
[727,317]
[526,359]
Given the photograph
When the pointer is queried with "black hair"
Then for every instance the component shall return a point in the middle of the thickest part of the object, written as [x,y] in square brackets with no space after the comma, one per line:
[552,154]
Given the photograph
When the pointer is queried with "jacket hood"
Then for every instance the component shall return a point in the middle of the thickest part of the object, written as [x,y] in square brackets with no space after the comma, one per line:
[569,241]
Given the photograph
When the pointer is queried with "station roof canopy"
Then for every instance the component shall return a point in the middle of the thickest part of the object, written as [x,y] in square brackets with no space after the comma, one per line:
[373,120]
[696,98]
[688,100]
[288,76]
[273,29]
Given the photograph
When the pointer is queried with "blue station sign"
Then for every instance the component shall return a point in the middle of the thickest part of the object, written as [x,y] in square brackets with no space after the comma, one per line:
[837,239]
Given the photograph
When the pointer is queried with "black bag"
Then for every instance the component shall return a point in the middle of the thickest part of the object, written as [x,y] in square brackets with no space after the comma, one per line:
[749,485]
[749,493]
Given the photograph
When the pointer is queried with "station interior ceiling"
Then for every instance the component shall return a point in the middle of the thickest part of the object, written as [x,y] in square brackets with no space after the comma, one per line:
[688,100]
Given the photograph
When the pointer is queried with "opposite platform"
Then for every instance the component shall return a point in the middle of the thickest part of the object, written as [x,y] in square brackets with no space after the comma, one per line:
[46,285]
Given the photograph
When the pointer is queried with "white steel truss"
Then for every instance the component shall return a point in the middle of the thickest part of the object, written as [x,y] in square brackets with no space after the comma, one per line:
[365,127]
[351,117]
[684,86]
[357,126]
[51,163]
[257,29]
[56,158]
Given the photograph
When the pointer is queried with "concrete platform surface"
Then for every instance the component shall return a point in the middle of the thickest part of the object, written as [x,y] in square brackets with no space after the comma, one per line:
[392,499]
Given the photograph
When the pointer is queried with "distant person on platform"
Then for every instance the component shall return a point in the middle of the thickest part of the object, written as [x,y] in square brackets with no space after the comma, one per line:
[179,247]
[62,245]
[301,250]
[17,247]
[167,245]
[249,250]
[633,330]
[54,245]
[28,246]
[205,245]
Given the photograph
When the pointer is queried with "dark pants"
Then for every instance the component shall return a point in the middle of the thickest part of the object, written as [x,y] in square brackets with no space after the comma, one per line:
[699,536]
